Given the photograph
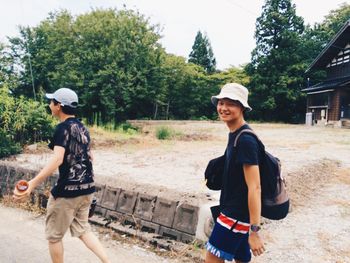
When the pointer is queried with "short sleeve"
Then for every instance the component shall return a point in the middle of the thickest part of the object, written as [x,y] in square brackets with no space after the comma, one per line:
[248,150]
[60,137]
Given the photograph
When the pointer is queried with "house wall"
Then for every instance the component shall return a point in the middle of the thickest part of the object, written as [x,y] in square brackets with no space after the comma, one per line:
[331,101]
[334,104]
[340,71]
[316,111]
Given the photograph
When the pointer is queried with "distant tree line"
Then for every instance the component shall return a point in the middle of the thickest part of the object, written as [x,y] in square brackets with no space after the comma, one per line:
[114,60]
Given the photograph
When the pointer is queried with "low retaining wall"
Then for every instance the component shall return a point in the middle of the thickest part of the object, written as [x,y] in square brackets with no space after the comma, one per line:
[148,213]
[173,219]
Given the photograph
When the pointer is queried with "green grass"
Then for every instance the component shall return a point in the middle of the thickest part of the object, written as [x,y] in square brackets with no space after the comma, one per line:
[167,133]
[121,128]
[164,133]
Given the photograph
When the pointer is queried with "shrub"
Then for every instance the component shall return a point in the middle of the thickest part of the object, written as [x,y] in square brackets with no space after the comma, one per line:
[8,146]
[22,121]
[128,128]
[37,124]
[164,133]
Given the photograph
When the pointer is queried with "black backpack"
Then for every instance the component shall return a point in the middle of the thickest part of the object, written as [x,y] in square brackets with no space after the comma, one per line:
[274,197]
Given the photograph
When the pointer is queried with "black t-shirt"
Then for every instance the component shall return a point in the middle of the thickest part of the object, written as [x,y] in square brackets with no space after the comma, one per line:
[75,173]
[234,193]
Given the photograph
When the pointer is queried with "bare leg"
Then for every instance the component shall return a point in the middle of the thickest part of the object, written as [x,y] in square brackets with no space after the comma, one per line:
[92,242]
[56,251]
[210,258]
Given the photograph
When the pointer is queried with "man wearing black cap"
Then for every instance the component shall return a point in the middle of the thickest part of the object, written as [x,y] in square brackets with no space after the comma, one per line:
[70,198]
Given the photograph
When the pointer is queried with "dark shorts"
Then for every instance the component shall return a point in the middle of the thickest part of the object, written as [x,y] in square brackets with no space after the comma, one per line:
[229,240]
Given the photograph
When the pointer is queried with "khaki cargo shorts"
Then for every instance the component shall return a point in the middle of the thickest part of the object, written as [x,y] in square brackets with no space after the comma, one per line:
[63,213]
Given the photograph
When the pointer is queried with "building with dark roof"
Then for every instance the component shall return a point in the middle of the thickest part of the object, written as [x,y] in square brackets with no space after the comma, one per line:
[328,102]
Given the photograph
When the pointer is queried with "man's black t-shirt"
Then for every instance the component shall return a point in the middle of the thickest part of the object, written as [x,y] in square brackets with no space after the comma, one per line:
[75,173]
[234,193]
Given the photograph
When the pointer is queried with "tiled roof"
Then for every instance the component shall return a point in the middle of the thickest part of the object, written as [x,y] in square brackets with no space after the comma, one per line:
[333,83]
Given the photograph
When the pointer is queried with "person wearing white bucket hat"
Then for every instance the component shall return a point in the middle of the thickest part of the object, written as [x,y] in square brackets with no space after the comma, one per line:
[70,198]
[233,91]
[236,231]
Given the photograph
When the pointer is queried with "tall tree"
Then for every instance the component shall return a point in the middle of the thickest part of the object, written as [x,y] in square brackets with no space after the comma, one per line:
[316,37]
[202,53]
[110,58]
[8,76]
[277,67]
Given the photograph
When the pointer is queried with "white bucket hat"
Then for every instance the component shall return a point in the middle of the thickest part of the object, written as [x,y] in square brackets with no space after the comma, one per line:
[233,91]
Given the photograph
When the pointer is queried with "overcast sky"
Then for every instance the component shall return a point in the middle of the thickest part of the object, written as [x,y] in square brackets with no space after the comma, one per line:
[229,24]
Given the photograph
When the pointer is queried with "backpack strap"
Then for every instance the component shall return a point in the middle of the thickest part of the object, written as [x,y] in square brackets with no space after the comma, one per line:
[251,132]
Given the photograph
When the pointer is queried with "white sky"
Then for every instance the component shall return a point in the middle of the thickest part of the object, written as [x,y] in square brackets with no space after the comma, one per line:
[229,24]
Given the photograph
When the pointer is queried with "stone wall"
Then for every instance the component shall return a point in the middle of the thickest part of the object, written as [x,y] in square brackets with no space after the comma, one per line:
[167,218]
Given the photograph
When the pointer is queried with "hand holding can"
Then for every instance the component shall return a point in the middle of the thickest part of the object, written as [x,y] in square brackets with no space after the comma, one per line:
[20,189]
[22,185]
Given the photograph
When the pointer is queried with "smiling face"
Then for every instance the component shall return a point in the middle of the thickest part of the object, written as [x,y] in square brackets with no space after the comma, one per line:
[230,111]
[55,108]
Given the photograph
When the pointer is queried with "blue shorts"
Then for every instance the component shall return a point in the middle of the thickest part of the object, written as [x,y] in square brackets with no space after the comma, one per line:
[228,243]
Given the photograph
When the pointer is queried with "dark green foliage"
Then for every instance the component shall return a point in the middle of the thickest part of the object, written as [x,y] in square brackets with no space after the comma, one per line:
[128,127]
[8,75]
[163,133]
[322,33]
[114,61]
[283,52]
[202,53]
[36,124]
[110,58]
[22,121]
[277,66]
[317,37]
[7,145]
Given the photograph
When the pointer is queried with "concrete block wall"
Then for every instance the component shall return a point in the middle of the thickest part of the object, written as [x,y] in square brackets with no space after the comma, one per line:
[168,218]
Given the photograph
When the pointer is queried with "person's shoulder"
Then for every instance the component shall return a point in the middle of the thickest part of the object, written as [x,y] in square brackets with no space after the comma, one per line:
[81,124]
[247,139]
[77,121]
[60,126]
[72,121]
[63,125]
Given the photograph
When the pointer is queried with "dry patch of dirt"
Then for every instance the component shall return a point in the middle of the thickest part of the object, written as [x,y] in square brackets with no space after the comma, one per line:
[317,229]
[302,184]
[343,176]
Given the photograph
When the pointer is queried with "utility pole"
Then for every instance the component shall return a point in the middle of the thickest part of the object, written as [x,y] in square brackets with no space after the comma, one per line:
[31,74]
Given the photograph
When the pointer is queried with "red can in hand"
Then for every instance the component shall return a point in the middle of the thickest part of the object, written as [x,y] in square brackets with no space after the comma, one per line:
[22,185]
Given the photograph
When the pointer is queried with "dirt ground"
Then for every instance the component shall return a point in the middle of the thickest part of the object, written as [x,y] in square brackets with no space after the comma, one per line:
[315,160]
